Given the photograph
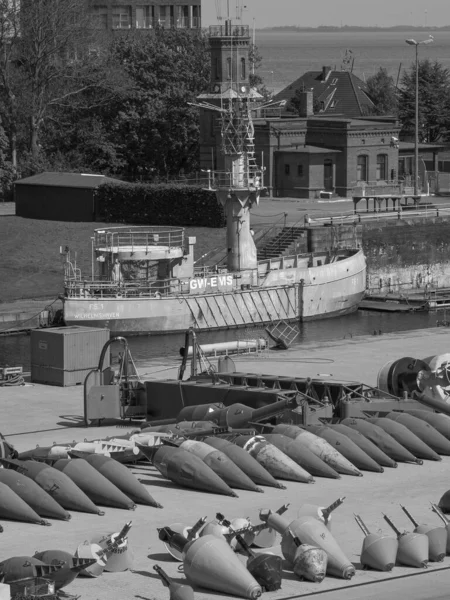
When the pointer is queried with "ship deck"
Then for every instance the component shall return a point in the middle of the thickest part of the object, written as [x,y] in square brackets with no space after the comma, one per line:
[54,414]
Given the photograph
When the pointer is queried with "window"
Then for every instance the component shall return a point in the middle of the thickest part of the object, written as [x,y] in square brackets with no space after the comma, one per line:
[287,169]
[99,17]
[382,167]
[229,67]
[300,170]
[166,16]
[243,69]
[196,16]
[218,69]
[183,16]
[144,18]
[361,168]
[121,17]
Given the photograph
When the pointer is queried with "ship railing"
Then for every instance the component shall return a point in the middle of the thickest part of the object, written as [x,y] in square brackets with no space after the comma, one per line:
[249,178]
[114,238]
[125,289]
[229,30]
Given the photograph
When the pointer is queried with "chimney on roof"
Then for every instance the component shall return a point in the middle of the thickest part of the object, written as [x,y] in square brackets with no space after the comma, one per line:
[306,103]
[325,73]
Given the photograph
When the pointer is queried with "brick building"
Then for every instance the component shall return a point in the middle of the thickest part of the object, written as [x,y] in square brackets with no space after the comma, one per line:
[145,14]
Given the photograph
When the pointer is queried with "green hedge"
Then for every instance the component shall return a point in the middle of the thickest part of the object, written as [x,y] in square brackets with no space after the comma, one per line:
[158,204]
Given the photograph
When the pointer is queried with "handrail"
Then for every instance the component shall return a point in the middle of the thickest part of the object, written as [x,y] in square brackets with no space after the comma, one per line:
[261,241]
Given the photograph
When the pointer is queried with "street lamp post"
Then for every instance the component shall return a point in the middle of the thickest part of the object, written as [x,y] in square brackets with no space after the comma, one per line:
[416,128]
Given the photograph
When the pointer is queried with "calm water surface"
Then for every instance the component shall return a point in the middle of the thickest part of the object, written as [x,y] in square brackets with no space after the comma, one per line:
[286,56]
[15,350]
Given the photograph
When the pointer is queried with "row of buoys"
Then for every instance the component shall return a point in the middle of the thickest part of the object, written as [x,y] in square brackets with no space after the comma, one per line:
[109,552]
[31,490]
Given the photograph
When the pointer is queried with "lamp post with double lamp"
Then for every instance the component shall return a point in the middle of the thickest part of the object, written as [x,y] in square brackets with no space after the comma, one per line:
[416,129]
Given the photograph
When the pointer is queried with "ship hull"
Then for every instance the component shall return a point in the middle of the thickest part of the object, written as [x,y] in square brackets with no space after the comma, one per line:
[315,293]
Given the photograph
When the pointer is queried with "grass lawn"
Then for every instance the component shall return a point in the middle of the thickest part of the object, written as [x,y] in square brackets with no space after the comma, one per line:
[30,263]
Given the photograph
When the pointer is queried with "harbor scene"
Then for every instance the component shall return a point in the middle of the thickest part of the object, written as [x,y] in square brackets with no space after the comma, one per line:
[233,383]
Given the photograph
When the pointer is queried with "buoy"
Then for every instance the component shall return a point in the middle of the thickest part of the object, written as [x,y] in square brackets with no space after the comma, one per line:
[276,462]
[435,508]
[94,485]
[209,562]
[121,477]
[437,537]
[190,533]
[45,453]
[31,493]
[22,567]
[266,568]
[378,552]
[347,448]
[412,547]
[406,438]
[313,532]
[310,562]
[89,550]
[119,554]
[60,487]
[183,468]
[71,565]
[301,455]
[423,430]
[13,508]
[257,473]
[177,590]
[319,447]
[365,444]
[219,462]
[383,440]
[320,512]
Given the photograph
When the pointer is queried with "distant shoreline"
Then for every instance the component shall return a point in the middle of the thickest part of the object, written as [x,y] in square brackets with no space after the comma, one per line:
[350,28]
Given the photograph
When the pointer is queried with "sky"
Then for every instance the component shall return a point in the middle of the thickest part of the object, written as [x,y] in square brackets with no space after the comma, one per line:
[307,13]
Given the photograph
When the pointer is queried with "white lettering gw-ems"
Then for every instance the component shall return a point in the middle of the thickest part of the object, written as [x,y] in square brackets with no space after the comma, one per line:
[203,282]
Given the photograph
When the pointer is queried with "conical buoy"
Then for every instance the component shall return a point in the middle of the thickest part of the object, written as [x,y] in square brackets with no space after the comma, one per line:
[346,447]
[320,512]
[310,562]
[210,563]
[119,554]
[435,508]
[71,566]
[183,468]
[406,438]
[437,537]
[89,551]
[365,444]
[45,453]
[301,455]
[190,533]
[257,473]
[93,484]
[13,508]
[412,547]
[313,532]
[121,477]
[177,590]
[41,502]
[383,440]
[319,447]
[378,552]
[22,567]
[266,568]
[276,462]
[60,487]
[423,430]
[219,462]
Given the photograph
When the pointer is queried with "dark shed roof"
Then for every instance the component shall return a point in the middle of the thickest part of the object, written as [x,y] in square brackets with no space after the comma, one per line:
[78,180]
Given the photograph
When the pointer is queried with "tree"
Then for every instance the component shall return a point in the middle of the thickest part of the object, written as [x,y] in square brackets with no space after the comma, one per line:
[255,79]
[382,91]
[434,102]
[7,171]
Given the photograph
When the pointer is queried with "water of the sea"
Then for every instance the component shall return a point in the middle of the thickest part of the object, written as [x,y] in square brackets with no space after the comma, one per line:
[286,56]
[15,350]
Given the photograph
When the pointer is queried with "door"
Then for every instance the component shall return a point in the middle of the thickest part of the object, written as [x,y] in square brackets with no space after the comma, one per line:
[328,175]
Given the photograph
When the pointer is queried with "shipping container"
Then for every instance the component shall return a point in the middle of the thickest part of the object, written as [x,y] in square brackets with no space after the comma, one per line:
[64,355]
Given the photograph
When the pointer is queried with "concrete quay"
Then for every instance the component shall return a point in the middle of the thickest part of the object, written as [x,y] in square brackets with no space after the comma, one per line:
[37,414]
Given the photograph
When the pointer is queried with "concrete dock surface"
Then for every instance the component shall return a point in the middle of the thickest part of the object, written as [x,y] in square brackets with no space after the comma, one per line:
[37,414]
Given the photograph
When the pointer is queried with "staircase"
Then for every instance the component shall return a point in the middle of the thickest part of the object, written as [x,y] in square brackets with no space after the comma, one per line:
[290,240]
